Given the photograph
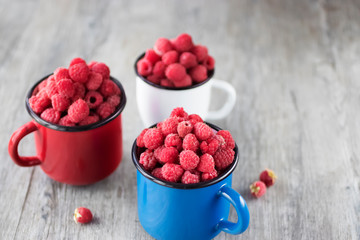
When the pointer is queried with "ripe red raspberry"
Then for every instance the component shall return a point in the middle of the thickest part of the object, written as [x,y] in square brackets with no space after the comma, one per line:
[153,138]
[108,88]
[91,64]
[151,55]
[201,52]
[209,63]
[206,164]
[175,72]
[173,140]
[179,113]
[144,67]
[76,61]
[210,146]
[114,100]
[51,88]
[186,82]
[148,160]
[43,84]
[162,45]
[39,104]
[60,102]
[93,99]
[157,172]
[184,128]
[188,178]
[198,73]
[194,118]
[169,155]
[101,68]
[166,83]
[79,91]
[169,125]
[188,60]
[209,176]
[268,177]
[82,215]
[258,189]
[78,111]
[159,69]
[79,72]
[66,87]
[157,152]
[61,73]
[89,120]
[65,121]
[230,143]
[202,131]
[183,42]
[154,79]
[188,159]
[139,139]
[190,142]
[172,172]
[223,158]
[51,115]
[170,57]
[94,81]
[104,110]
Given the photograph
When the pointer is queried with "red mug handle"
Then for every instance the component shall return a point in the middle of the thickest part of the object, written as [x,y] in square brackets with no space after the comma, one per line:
[14,143]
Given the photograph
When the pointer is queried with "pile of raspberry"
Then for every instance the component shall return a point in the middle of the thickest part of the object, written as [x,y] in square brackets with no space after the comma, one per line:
[80,95]
[184,149]
[176,63]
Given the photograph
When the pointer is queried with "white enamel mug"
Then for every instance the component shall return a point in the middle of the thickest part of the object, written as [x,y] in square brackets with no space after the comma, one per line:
[156,102]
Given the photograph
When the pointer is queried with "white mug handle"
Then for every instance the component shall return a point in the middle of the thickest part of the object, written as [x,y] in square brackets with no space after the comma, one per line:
[230,101]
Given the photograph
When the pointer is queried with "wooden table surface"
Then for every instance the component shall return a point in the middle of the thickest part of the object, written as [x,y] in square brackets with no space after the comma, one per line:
[296,69]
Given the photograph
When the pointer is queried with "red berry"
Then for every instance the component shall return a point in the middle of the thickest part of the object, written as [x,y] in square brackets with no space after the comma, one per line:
[172,172]
[51,115]
[66,87]
[39,104]
[93,99]
[153,138]
[184,128]
[157,152]
[194,118]
[51,88]
[89,120]
[179,113]
[114,100]
[148,160]
[61,73]
[211,145]
[154,79]
[166,83]
[190,142]
[189,178]
[206,164]
[188,159]
[42,93]
[78,111]
[209,176]
[101,68]
[94,81]
[186,82]
[151,55]
[108,88]
[198,73]
[188,60]
[268,177]
[159,69]
[258,189]
[162,45]
[79,91]
[43,84]
[65,121]
[104,110]
[209,63]
[170,57]
[144,67]
[202,131]
[169,155]
[223,158]
[79,72]
[229,141]
[60,102]
[183,42]
[175,72]
[76,61]
[173,140]
[157,172]
[169,125]
[91,64]
[139,139]
[82,215]
[201,52]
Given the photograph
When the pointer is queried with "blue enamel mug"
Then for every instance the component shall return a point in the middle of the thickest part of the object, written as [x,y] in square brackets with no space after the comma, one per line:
[198,211]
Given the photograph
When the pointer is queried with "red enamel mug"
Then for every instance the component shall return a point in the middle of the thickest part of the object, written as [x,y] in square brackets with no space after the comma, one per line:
[74,155]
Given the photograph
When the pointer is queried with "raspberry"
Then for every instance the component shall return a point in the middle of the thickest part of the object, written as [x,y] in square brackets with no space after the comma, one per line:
[201,52]
[44,83]
[188,159]
[42,93]
[89,120]
[175,72]
[172,172]
[179,113]
[101,68]
[105,110]
[78,111]
[202,131]
[38,104]
[223,158]
[139,139]
[154,79]
[258,189]
[166,83]
[144,67]
[151,56]
[186,82]
[162,45]
[198,73]
[157,172]
[268,177]
[114,100]
[61,73]
[82,215]
[93,99]
[183,43]
[230,143]
[60,102]
[209,176]
[209,63]
[170,57]
[206,164]
[91,64]
[194,118]
[66,87]
[51,115]
[189,178]
[157,152]
[190,142]
[184,128]
[147,160]
[173,140]
[79,91]
[76,61]
[153,138]
[159,69]
[65,121]
[94,81]
[109,88]
[188,60]
[169,155]
[79,72]
[169,125]
[51,88]
[210,146]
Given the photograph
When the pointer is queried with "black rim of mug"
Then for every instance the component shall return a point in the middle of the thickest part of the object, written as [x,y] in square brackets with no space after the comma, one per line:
[135,152]
[44,123]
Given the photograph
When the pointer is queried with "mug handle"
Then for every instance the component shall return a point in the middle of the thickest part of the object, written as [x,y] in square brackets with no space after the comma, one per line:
[19,134]
[241,208]
[228,105]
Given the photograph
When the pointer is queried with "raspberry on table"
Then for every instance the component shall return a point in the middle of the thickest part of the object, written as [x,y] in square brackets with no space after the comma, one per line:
[60,102]
[154,79]
[78,111]
[51,115]
[202,131]
[93,99]
[101,68]
[153,138]
[170,57]
[151,55]
[223,158]
[166,83]
[169,155]
[184,128]
[229,141]
[183,42]
[188,60]
[159,69]
[208,176]
[186,82]
[39,104]
[82,215]
[157,152]
[109,88]
[139,139]
[114,100]
[188,178]
[209,63]
[79,72]
[144,67]
[65,121]
[157,172]
[89,120]
[79,91]
[200,51]
[94,81]
[175,72]
[173,140]
[148,160]
[194,118]
[268,177]
[258,189]
[190,142]
[76,61]
[66,87]
[162,45]
[179,113]
[172,172]
[198,73]
[104,110]
[206,164]
[61,73]
[188,159]
[169,125]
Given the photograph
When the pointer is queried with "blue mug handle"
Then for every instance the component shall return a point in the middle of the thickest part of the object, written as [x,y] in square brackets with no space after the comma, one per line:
[241,208]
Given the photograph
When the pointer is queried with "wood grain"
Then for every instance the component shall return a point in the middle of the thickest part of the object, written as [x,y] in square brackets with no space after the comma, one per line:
[295,66]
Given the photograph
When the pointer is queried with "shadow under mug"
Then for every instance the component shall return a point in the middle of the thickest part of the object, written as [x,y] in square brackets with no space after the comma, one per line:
[74,155]
[156,102]
[188,211]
